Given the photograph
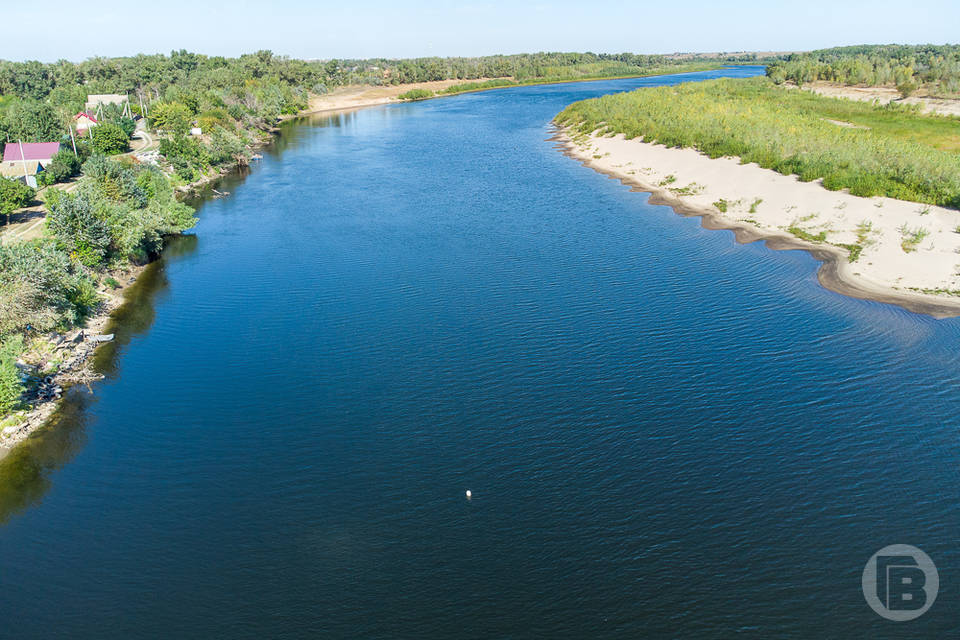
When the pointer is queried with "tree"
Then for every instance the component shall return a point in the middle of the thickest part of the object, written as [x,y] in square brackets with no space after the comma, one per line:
[109,139]
[906,82]
[31,121]
[13,195]
[171,117]
[79,230]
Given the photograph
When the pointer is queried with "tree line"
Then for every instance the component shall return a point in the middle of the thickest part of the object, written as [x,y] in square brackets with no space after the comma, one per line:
[936,68]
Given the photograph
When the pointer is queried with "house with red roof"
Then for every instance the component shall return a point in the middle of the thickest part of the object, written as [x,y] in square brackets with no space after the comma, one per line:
[84,122]
[23,161]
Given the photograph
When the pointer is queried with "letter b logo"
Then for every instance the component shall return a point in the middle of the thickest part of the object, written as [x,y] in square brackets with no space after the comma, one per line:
[900,582]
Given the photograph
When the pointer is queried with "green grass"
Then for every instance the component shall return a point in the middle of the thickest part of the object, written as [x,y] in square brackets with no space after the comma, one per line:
[854,249]
[806,235]
[910,238]
[902,154]
[416,94]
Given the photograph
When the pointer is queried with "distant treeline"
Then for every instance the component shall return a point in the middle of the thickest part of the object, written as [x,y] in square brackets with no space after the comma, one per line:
[936,68]
[67,82]
[239,97]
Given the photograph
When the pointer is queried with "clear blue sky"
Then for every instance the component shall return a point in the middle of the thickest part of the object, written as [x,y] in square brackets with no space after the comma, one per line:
[375,28]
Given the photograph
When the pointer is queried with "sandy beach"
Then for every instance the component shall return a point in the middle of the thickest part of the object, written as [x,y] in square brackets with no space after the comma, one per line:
[359,96]
[910,252]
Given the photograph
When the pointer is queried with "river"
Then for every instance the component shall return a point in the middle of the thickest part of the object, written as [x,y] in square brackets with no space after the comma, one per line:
[665,433]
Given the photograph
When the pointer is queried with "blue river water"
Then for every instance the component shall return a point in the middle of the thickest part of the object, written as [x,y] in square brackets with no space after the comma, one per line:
[666,434]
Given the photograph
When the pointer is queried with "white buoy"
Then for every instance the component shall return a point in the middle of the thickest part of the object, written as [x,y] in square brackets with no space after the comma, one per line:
[469,494]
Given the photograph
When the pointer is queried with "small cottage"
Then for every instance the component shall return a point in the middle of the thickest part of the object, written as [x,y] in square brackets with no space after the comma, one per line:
[23,161]
[84,122]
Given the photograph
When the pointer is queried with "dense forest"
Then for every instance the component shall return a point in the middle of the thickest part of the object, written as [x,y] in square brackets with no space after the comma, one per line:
[936,69]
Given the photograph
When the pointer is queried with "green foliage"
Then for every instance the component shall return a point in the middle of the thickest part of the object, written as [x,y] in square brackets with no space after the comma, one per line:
[79,230]
[119,213]
[64,166]
[13,195]
[789,131]
[188,156]
[42,288]
[806,235]
[171,117]
[907,67]
[224,146]
[910,238]
[416,94]
[214,118]
[113,114]
[11,387]
[30,121]
[109,139]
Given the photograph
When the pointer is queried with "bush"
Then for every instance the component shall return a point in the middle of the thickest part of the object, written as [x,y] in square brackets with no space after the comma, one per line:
[40,287]
[64,166]
[416,94]
[78,229]
[13,195]
[213,118]
[11,387]
[109,139]
[188,156]
[907,87]
[171,117]
[224,146]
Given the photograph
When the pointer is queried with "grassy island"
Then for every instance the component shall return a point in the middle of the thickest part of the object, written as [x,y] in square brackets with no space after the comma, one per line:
[871,150]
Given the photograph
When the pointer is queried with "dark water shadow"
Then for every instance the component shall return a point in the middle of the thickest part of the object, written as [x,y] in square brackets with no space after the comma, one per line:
[25,472]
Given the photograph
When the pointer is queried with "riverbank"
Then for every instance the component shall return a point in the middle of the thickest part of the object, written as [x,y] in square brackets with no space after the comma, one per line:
[893,261]
[71,352]
[360,96]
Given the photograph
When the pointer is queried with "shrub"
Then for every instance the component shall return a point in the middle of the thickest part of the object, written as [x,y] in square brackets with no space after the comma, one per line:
[224,146]
[63,166]
[40,287]
[78,229]
[171,117]
[13,195]
[109,139]
[214,118]
[11,387]
[416,94]
[188,156]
